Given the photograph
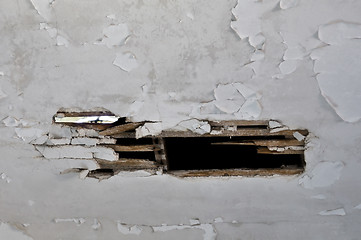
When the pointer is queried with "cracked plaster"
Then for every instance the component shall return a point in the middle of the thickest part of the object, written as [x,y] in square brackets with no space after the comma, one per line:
[185,52]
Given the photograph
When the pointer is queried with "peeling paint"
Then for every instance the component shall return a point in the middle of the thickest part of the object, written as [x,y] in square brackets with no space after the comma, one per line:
[323,175]
[335,212]
[114,35]
[299,136]
[231,99]
[149,129]
[128,229]
[194,221]
[96,224]
[85,141]
[55,34]
[194,125]
[209,231]
[5,178]
[358,206]
[126,61]
[286,4]
[2,94]
[319,196]
[339,68]
[248,18]
[29,134]
[78,221]
[43,7]
[11,122]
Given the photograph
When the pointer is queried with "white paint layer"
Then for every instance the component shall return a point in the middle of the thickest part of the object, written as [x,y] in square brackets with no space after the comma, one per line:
[336,212]
[8,232]
[339,68]
[323,175]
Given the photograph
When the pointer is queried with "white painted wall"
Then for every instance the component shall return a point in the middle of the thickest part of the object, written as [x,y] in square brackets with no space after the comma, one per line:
[162,60]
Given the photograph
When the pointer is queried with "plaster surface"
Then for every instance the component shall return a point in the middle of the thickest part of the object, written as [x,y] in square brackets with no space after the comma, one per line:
[181,62]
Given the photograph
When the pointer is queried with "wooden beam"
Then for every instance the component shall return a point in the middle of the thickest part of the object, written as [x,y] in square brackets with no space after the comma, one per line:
[265,150]
[131,148]
[120,129]
[265,143]
[128,164]
[250,132]
[237,172]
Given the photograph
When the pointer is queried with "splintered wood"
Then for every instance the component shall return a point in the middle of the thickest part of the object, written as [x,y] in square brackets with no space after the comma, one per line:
[150,152]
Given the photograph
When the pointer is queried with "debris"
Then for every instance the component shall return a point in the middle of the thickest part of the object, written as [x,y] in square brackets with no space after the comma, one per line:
[299,136]
[274,124]
[148,129]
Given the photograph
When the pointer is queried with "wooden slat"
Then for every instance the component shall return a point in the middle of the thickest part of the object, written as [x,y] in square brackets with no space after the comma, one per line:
[120,129]
[266,143]
[265,150]
[159,152]
[128,164]
[225,133]
[131,148]
[237,172]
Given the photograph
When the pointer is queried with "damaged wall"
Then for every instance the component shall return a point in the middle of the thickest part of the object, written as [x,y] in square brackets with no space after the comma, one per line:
[180,63]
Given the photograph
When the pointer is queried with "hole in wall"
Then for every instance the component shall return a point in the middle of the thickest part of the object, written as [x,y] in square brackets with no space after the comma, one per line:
[240,147]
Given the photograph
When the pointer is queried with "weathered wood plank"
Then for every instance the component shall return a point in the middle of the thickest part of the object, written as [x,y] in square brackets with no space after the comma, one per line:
[265,150]
[237,172]
[131,148]
[160,153]
[128,164]
[265,143]
[225,133]
[120,129]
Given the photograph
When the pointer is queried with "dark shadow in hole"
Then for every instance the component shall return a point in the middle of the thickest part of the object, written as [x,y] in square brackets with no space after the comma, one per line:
[199,153]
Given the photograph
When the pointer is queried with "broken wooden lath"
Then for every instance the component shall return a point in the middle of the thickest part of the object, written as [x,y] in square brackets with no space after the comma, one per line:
[241,147]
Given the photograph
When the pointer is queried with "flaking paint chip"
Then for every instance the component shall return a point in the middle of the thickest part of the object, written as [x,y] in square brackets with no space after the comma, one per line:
[126,61]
